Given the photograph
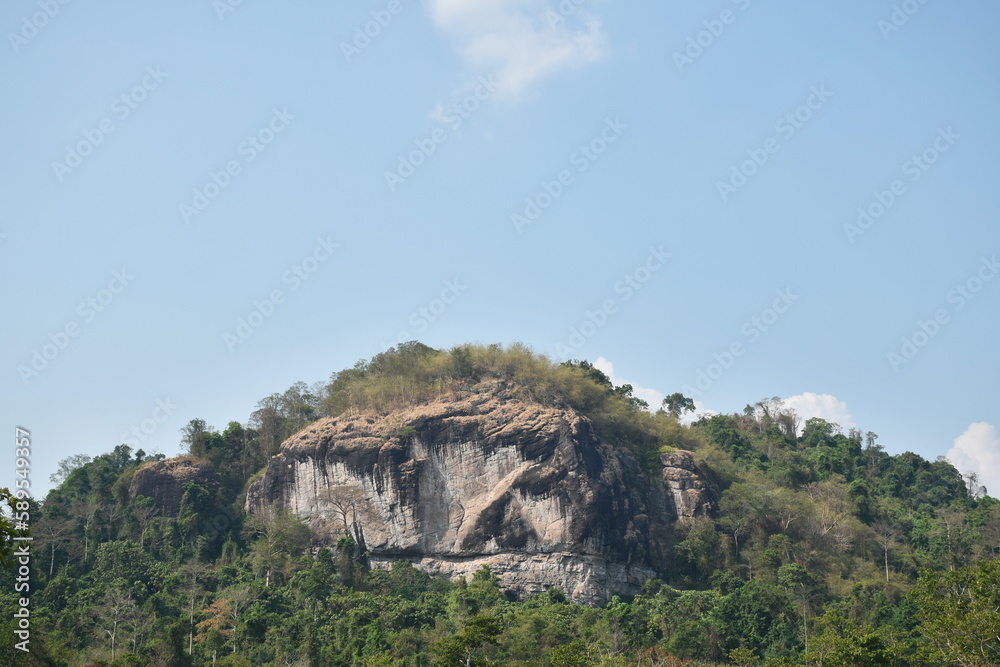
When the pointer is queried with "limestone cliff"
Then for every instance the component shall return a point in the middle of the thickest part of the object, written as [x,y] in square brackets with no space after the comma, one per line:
[451,485]
[691,494]
[164,480]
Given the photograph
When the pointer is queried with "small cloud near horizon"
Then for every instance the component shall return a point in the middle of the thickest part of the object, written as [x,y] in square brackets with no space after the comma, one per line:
[652,396]
[806,405]
[825,406]
[978,450]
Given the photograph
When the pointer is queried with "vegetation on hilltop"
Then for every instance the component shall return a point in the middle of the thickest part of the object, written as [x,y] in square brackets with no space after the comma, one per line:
[827,550]
[414,372]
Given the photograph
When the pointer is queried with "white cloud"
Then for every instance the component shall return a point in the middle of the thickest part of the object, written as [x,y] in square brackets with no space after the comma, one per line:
[978,450]
[520,41]
[651,396]
[824,406]
[699,411]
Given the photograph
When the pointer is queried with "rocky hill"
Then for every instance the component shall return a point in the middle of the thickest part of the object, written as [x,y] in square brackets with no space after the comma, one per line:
[485,478]
[164,480]
[550,475]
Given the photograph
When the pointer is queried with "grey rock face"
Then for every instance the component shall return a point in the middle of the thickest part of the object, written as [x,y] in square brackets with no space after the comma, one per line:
[692,496]
[455,484]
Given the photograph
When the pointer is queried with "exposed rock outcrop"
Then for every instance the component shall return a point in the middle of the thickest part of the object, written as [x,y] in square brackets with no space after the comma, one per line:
[164,480]
[454,484]
[692,496]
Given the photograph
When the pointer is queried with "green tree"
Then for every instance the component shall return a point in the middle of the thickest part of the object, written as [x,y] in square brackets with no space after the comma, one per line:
[701,548]
[124,563]
[677,404]
[743,657]
[744,508]
[802,585]
[193,436]
[958,614]
[144,510]
[464,647]
[68,465]
[841,643]
[278,537]
[724,432]
[758,616]
[198,507]
[10,508]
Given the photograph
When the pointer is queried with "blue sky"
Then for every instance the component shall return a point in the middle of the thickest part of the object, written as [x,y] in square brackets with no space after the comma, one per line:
[671,189]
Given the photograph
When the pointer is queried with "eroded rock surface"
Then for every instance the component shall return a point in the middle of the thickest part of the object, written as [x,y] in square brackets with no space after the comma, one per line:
[454,484]
[691,494]
[164,480]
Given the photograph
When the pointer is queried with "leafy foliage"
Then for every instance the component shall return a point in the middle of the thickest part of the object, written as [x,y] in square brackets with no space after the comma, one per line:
[826,550]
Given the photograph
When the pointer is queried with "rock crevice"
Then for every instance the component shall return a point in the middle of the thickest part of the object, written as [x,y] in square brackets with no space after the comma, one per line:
[529,490]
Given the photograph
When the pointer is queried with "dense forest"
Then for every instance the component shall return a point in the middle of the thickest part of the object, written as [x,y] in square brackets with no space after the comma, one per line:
[826,549]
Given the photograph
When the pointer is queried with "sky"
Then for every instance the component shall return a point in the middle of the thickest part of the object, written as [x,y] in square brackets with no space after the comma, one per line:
[206,201]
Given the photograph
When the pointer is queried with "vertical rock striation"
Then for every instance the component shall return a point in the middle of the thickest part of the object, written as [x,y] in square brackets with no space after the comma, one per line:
[454,484]
[691,494]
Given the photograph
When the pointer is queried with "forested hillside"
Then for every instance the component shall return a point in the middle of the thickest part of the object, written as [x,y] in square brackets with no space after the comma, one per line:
[825,550]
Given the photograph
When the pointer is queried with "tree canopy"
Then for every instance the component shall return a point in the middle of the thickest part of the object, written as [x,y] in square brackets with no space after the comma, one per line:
[826,549]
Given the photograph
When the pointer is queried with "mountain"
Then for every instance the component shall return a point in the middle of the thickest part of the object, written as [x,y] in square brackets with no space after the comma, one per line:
[483,477]
[310,533]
